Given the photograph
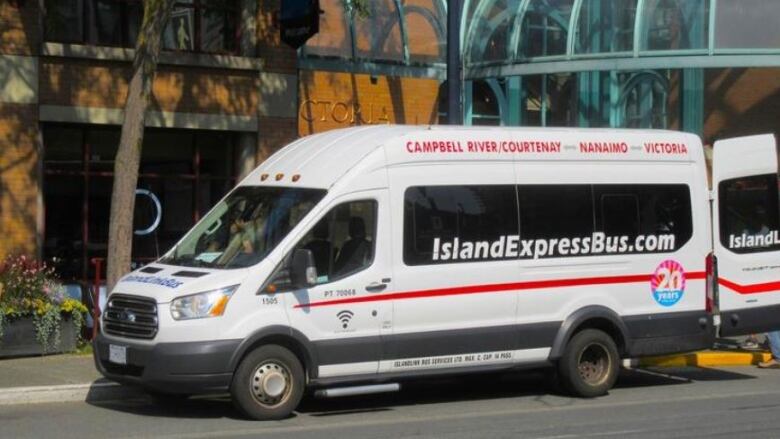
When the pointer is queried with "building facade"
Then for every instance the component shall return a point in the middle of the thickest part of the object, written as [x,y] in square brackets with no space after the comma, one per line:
[223,99]
[228,93]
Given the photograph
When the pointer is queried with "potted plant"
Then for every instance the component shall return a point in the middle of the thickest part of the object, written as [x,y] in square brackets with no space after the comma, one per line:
[36,317]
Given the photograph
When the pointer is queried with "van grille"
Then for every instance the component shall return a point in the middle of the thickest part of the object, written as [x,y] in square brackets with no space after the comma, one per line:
[130,316]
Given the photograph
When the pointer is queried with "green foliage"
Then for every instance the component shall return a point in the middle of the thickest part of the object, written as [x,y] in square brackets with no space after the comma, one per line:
[47,329]
[359,8]
[84,349]
[29,288]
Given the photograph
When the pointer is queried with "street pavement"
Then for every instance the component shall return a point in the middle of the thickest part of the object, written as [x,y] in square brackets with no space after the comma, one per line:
[647,403]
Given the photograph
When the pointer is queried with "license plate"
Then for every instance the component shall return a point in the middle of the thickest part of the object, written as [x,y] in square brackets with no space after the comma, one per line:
[117,354]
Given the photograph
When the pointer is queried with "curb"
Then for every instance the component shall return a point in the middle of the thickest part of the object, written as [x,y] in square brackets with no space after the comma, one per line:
[705,359]
[92,392]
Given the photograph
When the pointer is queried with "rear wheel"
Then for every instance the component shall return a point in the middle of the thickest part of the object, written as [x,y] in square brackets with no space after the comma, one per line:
[589,366]
[268,383]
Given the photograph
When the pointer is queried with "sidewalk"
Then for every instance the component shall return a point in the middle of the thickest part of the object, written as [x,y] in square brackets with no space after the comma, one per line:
[67,378]
[56,378]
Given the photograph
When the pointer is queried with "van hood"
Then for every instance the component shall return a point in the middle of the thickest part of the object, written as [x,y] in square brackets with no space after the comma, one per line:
[165,282]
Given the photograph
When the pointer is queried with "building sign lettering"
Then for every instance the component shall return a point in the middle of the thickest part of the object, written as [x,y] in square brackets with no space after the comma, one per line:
[315,110]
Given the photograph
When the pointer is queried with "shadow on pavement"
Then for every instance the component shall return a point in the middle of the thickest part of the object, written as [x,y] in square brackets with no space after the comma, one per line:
[435,391]
[538,384]
[711,374]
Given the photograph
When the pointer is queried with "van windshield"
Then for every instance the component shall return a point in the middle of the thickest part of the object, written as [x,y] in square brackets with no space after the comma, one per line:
[244,227]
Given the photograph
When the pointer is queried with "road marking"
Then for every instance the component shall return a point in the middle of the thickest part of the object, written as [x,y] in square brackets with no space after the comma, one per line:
[600,434]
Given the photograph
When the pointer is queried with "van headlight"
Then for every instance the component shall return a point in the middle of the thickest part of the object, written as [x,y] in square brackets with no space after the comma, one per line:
[201,305]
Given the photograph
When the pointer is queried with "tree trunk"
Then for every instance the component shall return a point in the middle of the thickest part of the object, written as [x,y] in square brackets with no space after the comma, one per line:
[128,156]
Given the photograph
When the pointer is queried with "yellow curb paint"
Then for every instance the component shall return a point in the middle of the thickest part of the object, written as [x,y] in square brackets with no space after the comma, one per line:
[707,359]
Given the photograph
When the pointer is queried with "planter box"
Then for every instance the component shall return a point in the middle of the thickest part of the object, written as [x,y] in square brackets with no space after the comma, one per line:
[19,338]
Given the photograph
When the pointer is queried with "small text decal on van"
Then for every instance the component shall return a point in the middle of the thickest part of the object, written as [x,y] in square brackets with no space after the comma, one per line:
[162,281]
[483,146]
[511,246]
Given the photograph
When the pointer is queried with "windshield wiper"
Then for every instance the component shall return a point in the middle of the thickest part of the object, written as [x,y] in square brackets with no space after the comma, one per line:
[190,261]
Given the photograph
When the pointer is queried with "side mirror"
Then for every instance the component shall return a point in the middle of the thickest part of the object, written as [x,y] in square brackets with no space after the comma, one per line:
[303,272]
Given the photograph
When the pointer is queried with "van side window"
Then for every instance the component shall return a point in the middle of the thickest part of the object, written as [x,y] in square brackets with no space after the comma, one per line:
[445,224]
[555,211]
[749,214]
[342,242]
[648,209]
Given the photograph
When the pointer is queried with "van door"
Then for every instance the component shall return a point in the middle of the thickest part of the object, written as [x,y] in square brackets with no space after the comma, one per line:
[746,234]
[343,314]
[453,304]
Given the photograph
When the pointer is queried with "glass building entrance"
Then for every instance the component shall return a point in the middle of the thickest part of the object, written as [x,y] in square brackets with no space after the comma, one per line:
[183,173]
[677,64]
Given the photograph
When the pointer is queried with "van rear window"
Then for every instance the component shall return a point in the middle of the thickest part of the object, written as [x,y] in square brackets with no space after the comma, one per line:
[750,214]
[450,224]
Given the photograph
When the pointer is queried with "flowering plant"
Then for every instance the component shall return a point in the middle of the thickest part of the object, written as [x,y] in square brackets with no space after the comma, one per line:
[30,288]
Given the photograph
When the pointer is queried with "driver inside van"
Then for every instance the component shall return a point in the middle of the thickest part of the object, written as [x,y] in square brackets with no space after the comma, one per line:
[243,240]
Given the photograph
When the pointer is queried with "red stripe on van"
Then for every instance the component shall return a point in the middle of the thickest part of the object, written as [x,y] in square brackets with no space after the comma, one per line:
[497,288]
[749,289]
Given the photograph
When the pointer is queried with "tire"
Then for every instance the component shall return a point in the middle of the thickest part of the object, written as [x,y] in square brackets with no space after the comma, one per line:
[589,366]
[268,384]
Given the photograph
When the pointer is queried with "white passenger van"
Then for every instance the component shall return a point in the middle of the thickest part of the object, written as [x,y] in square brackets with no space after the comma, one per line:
[357,258]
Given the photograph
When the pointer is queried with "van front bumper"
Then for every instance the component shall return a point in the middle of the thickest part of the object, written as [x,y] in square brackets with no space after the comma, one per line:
[176,368]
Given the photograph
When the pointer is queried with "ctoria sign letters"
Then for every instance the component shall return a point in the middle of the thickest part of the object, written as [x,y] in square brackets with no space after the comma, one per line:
[314,110]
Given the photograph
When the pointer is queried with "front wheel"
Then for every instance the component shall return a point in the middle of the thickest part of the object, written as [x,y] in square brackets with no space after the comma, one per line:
[268,383]
[589,366]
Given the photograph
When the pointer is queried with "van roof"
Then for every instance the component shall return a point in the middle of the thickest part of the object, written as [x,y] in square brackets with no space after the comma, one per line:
[321,159]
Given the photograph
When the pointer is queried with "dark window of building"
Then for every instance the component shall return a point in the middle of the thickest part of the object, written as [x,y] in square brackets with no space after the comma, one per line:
[550,100]
[749,214]
[184,172]
[208,26]
[555,211]
[202,26]
[64,21]
[545,28]
[633,210]
[485,110]
[99,22]
[440,220]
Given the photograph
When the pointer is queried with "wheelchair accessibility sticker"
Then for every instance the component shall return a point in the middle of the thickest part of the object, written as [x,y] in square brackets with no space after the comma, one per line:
[668,283]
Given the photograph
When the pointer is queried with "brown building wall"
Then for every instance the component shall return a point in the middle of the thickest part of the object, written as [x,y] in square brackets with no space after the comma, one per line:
[741,102]
[19,179]
[329,100]
[103,84]
[19,158]
[276,56]
[275,132]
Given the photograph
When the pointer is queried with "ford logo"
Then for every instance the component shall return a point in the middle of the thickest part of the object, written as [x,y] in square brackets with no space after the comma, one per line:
[127,316]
